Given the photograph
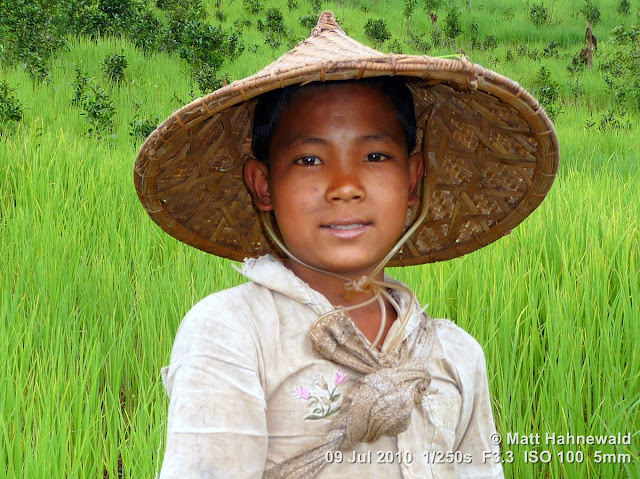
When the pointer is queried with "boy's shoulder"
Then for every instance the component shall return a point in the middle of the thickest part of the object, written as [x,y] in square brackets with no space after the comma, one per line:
[236,300]
[266,277]
[458,344]
[220,320]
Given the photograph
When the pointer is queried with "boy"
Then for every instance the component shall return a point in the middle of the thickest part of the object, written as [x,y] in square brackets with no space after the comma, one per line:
[322,366]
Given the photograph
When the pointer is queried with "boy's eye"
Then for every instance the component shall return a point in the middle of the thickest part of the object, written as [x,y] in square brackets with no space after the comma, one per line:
[376,157]
[308,161]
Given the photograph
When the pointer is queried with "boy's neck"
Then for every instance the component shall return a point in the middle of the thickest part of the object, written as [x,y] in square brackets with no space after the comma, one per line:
[367,318]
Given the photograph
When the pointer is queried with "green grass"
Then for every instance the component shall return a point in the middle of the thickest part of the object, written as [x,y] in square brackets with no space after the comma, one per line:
[555,306]
[92,292]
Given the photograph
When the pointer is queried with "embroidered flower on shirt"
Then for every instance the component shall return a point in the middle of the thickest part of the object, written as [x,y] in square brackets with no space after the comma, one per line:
[321,382]
[301,392]
[323,401]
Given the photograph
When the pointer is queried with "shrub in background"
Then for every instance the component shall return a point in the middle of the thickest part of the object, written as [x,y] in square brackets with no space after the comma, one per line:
[622,64]
[624,7]
[452,26]
[432,5]
[591,12]
[436,36]
[114,67]
[93,22]
[316,5]
[147,32]
[473,33]
[610,121]
[576,87]
[308,21]
[30,33]
[141,128]
[98,18]
[273,28]
[253,6]
[508,14]
[32,30]
[548,92]
[407,11]
[275,21]
[208,79]
[233,46]
[377,31]
[242,23]
[220,16]
[10,108]
[490,43]
[551,50]
[539,14]
[418,42]
[395,46]
[180,7]
[94,103]
[576,65]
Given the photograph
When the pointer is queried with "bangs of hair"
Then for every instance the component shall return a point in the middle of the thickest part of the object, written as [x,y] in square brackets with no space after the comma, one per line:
[272,104]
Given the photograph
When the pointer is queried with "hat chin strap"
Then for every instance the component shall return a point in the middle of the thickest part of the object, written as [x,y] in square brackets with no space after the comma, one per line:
[367,282]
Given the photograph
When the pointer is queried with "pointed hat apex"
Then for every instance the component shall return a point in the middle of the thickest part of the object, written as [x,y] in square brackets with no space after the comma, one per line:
[326,21]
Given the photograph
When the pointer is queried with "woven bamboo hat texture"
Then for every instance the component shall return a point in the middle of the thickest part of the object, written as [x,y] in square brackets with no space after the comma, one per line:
[491,153]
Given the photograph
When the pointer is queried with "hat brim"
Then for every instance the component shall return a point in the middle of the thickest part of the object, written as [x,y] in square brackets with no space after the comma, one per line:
[491,153]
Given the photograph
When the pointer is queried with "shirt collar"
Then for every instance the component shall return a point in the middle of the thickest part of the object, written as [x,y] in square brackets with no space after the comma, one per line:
[271,273]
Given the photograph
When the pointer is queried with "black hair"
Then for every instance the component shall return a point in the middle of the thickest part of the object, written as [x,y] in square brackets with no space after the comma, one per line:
[272,104]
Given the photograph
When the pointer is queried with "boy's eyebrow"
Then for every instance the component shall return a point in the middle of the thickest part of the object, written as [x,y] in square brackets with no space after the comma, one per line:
[379,137]
[308,139]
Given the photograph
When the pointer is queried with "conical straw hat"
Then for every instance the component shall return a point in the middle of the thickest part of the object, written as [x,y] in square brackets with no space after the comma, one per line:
[491,153]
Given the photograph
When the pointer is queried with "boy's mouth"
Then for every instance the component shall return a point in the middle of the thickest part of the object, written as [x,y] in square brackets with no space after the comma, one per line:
[347,229]
[347,224]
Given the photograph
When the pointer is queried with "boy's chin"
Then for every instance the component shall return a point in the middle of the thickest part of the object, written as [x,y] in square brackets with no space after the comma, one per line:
[345,266]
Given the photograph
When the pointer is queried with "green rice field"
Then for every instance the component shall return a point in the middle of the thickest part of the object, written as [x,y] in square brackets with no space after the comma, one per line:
[92,292]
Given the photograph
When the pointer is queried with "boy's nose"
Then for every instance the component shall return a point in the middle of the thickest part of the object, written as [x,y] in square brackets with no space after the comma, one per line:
[345,187]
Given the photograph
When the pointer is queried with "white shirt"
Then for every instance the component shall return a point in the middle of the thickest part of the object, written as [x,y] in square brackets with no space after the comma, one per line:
[247,391]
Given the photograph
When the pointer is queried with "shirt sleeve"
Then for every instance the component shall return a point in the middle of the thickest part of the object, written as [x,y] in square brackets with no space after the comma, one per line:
[217,424]
[476,430]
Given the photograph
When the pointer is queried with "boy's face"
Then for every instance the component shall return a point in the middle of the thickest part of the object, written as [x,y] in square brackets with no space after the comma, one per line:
[340,179]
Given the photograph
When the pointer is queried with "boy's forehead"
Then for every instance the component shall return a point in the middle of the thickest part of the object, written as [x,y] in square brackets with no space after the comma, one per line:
[354,108]
[328,100]
[338,88]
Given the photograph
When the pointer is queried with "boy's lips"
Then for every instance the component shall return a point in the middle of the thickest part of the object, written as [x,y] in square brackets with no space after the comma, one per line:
[347,229]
